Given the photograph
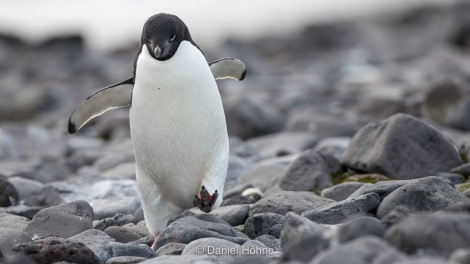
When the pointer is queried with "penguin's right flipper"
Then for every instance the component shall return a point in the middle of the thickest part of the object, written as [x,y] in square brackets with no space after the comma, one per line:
[228,68]
[114,96]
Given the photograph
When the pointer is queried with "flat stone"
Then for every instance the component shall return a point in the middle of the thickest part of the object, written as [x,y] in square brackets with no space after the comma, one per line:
[123,234]
[427,194]
[171,249]
[125,260]
[401,147]
[341,191]
[287,201]
[62,221]
[232,214]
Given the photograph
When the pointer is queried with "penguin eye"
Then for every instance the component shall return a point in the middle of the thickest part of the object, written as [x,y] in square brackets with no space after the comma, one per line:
[172,38]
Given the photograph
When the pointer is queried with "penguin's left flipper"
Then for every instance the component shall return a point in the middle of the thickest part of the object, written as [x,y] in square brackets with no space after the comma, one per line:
[228,68]
[206,201]
[114,96]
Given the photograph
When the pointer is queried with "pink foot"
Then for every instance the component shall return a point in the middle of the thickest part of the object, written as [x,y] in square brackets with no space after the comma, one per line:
[157,234]
[206,201]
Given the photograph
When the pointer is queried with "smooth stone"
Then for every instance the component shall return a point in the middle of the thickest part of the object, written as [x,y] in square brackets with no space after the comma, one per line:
[287,201]
[236,167]
[461,256]
[382,188]
[11,237]
[439,234]
[276,230]
[305,248]
[270,241]
[423,150]
[334,146]
[341,191]
[397,215]
[426,194]
[15,222]
[359,251]
[188,259]
[111,206]
[261,224]
[463,170]
[359,227]
[123,234]
[63,220]
[190,228]
[238,200]
[121,171]
[26,188]
[225,250]
[273,145]
[455,178]
[171,249]
[46,197]
[125,260]
[297,227]
[311,171]
[338,212]
[52,251]
[22,210]
[232,214]
[117,220]
[263,176]
[8,194]
[427,260]
[256,248]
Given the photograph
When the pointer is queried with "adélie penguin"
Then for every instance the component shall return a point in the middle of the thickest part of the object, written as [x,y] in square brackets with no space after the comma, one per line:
[177,121]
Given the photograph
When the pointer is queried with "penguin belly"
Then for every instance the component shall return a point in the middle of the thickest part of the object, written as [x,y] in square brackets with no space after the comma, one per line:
[179,133]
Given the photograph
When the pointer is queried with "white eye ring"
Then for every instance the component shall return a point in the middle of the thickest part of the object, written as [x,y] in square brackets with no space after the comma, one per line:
[173,38]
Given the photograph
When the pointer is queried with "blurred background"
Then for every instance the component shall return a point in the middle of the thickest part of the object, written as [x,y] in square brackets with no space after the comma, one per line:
[316,70]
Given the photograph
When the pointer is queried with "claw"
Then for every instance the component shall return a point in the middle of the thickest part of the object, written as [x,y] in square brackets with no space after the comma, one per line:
[206,201]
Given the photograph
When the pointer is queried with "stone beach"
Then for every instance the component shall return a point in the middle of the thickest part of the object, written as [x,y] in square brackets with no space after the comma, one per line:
[349,143]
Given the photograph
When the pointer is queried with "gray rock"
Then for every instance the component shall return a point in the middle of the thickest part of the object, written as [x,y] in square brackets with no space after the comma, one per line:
[363,250]
[105,246]
[11,221]
[190,228]
[125,260]
[236,167]
[439,99]
[427,194]
[225,250]
[249,118]
[305,248]
[123,234]
[362,226]
[232,214]
[111,206]
[435,234]
[461,256]
[311,171]
[171,249]
[10,237]
[188,259]
[62,221]
[26,188]
[47,196]
[339,212]
[427,260]
[52,251]
[297,227]
[117,220]
[263,176]
[455,178]
[8,194]
[282,143]
[463,207]
[397,215]
[256,248]
[261,224]
[382,188]
[276,230]
[270,242]
[402,147]
[22,210]
[238,200]
[463,170]
[334,146]
[457,117]
[287,201]
[341,191]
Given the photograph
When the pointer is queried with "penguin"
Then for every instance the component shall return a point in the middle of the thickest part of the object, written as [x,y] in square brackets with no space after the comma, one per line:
[177,121]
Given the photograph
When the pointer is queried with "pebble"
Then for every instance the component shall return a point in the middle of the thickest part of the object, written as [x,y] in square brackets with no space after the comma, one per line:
[423,150]
[63,220]
[341,191]
[338,212]
[287,201]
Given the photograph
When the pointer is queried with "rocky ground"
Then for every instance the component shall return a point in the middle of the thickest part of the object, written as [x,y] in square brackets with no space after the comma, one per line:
[349,144]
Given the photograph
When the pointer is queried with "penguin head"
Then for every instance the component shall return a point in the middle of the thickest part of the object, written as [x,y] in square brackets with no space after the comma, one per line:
[162,35]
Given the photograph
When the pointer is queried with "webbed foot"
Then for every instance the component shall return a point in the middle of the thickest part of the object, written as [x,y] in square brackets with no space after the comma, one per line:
[206,201]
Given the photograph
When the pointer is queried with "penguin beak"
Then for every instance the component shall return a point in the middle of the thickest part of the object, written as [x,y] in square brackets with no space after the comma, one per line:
[158,52]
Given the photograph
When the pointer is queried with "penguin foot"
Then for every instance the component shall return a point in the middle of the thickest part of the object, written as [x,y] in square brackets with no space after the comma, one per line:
[157,234]
[206,201]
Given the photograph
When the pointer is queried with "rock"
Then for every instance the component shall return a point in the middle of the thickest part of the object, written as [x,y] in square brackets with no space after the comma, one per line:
[263,176]
[26,188]
[282,143]
[359,227]
[368,178]
[338,212]
[453,177]
[334,146]
[11,237]
[47,196]
[249,118]
[457,116]
[238,200]
[432,234]
[440,99]
[51,251]
[105,246]
[287,201]
[236,167]
[463,170]
[305,248]
[261,224]
[63,220]
[297,227]
[188,259]
[117,220]
[270,242]
[190,228]
[8,194]
[15,222]
[359,251]
[256,248]
[125,260]
[171,249]
[461,256]
[121,171]
[397,215]
[123,234]
[233,214]
[276,230]
[427,260]
[311,171]
[382,188]
[463,207]
[22,210]
[427,194]
[422,150]
[225,250]
[341,191]
[111,206]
